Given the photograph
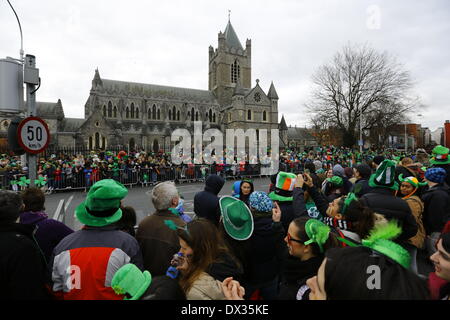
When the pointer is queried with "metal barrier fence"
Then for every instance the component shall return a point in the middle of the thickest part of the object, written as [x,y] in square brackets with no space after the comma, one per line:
[131,177]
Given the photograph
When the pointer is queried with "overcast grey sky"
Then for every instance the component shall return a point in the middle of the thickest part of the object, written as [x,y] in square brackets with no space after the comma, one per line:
[166,42]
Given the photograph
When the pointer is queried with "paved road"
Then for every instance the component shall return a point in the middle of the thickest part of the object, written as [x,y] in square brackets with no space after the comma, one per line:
[138,199]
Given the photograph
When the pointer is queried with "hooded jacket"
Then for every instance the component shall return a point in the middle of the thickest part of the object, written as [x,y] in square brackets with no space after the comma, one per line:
[266,252]
[206,203]
[49,232]
[437,208]
[22,266]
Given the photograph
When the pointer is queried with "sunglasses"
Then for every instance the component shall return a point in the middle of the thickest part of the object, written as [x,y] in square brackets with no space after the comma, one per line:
[289,239]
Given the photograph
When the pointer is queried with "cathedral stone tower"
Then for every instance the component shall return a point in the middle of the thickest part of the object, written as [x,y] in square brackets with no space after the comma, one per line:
[228,65]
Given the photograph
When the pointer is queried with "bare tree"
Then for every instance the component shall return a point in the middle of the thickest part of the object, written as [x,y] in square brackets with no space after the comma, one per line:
[359,81]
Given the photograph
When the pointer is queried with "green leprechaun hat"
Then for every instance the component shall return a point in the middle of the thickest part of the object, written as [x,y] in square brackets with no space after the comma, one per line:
[384,177]
[440,155]
[284,186]
[102,204]
[237,218]
[129,279]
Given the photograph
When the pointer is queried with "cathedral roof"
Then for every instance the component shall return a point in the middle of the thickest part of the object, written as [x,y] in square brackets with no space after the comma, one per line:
[283,125]
[49,109]
[299,134]
[272,92]
[72,124]
[231,37]
[158,91]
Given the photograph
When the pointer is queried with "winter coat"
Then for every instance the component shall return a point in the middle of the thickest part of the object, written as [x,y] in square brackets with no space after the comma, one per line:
[267,251]
[294,275]
[437,208]
[206,203]
[361,187]
[49,232]
[416,205]
[382,201]
[158,243]
[287,213]
[225,266]
[22,265]
[85,262]
[205,288]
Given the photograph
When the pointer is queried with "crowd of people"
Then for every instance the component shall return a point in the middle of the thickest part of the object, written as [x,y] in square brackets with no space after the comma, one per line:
[334,225]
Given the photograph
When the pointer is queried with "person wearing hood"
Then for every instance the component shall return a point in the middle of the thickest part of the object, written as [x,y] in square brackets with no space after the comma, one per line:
[22,265]
[245,189]
[49,231]
[206,203]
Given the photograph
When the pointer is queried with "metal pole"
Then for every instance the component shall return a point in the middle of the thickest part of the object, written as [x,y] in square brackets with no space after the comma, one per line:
[30,61]
[360,132]
[406,140]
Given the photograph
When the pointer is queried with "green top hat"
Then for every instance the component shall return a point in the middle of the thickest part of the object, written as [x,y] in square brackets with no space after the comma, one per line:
[237,218]
[129,279]
[440,155]
[102,204]
[384,177]
[284,186]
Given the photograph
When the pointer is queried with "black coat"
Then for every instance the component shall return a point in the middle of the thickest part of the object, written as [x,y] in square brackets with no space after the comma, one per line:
[437,208]
[287,213]
[295,273]
[382,201]
[266,252]
[22,265]
[225,266]
[361,187]
[206,203]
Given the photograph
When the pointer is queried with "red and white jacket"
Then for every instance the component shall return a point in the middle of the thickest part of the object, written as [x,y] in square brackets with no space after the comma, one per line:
[84,263]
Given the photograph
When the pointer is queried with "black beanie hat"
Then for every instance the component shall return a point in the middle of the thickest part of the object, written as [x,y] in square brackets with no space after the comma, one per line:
[364,170]
[378,159]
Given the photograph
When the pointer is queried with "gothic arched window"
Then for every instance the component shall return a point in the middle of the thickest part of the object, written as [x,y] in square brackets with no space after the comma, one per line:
[210,115]
[178,115]
[154,112]
[132,110]
[104,111]
[264,116]
[115,112]
[149,113]
[174,112]
[137,113]
[214,117]
[192,114]
[249,115]
[109,109]
[196,116]
[159,114]
[235,72]
[127,113]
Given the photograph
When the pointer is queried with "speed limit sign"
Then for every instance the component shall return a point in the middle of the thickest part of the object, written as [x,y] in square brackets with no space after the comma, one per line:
[33,135]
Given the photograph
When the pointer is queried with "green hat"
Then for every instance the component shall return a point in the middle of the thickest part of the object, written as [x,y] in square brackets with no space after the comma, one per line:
[384,177]
[317,232]
[237,218]
[129,279]
[102,204]
[412,181]
[440,155]
[336,181]
[284,186]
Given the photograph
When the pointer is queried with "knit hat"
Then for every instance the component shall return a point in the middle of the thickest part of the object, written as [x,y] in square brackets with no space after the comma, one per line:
[260,201]
[412,181]
[384,177]
[237,218]
[284,186]
[436,175]
[336,181]
[129,279]
[440,155]
[338,170]
[102,204]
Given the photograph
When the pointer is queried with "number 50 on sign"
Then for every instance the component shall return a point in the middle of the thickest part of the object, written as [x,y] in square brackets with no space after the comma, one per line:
[33,135]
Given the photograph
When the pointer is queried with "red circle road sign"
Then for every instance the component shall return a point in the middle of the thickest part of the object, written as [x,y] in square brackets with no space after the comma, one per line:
[33,135]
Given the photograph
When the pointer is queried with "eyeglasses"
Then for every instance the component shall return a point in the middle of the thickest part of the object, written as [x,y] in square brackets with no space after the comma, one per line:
[289,239]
